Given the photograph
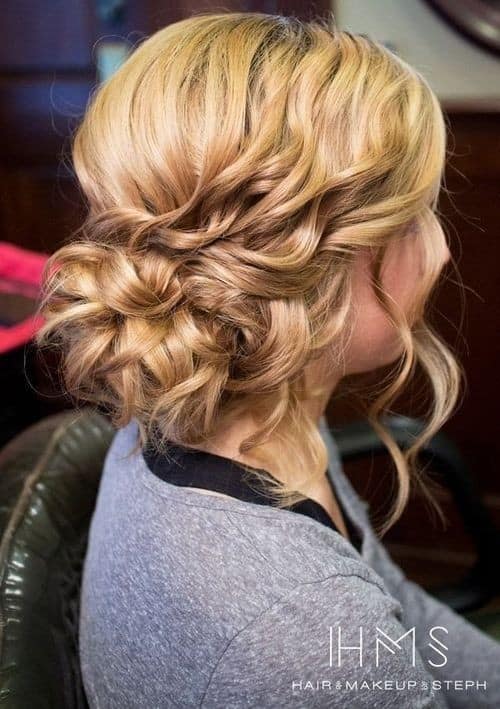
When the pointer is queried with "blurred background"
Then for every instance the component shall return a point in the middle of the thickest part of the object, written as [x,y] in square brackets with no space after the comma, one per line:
[53,53]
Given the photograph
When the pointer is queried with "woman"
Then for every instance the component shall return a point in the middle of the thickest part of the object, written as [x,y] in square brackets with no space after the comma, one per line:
[262,224]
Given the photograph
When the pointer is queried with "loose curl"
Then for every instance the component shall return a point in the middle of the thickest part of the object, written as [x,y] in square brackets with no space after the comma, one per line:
[234,166]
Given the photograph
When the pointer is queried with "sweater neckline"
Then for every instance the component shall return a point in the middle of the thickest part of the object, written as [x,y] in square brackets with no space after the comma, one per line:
[183,466]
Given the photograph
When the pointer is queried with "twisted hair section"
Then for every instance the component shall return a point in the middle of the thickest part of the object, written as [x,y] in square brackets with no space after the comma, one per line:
[234,166]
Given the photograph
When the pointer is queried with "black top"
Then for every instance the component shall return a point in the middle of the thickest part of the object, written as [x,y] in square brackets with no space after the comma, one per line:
[189,467]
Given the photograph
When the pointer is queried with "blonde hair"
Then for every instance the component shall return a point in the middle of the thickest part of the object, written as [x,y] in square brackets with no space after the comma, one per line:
[234,166]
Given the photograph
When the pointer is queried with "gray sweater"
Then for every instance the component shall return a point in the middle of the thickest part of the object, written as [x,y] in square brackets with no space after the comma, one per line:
[192,600]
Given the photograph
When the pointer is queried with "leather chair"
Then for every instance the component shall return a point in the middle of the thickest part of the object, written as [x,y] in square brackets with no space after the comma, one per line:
[49,478]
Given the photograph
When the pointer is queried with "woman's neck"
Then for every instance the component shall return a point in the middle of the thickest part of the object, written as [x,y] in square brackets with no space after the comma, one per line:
[227,442]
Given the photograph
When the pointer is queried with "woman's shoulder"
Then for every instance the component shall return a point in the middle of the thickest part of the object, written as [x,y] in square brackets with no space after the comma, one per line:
[248,545]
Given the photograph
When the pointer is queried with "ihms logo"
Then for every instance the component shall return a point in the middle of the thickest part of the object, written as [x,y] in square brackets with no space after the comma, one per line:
[377,643]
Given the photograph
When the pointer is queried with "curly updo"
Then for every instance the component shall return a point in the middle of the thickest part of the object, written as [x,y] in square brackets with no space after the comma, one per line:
[234,166]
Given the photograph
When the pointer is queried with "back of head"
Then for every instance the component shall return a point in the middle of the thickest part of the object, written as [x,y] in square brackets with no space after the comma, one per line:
[234,166]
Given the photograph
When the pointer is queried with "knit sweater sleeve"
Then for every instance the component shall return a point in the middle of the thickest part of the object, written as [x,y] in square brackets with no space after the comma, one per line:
[470,656]
[332,643]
